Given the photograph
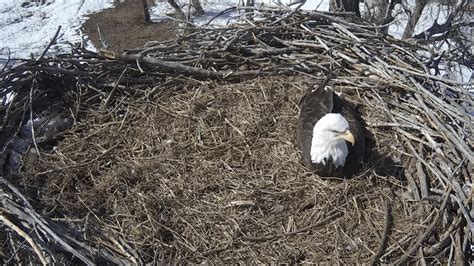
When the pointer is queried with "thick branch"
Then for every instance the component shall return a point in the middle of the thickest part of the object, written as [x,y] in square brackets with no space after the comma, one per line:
[177,9]
[414,17]
[180,68]
[446,26]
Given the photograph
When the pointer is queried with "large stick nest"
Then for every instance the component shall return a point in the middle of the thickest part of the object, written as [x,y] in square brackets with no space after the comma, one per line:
[185,150]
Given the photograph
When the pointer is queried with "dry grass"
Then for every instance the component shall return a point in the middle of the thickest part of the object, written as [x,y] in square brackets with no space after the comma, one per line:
[184,151]
[213,174]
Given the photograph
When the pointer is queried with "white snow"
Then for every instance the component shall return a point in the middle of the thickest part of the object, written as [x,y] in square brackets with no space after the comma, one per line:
[162,9]
[28,30]
[432,12]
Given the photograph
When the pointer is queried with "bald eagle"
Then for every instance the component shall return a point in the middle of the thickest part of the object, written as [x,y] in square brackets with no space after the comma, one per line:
[330,135]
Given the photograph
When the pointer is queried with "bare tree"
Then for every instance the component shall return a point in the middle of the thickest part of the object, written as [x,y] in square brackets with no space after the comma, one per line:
[198,10]
[179,13]
[194,4]
[345,6]
[414,17]
[146,12]
[380,12]
[454,21]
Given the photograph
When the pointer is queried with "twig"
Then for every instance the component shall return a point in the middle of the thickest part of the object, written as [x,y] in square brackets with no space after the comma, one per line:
[384,239]
[198,72]
[102,41]
[35,219]
[32,128]
[220,14]
[26,237]
[325,221]
[114,88]
[53,40]
[404,259]
[8,60]
[289,14]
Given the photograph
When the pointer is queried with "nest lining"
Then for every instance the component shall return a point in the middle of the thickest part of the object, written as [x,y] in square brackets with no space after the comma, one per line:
[177,155]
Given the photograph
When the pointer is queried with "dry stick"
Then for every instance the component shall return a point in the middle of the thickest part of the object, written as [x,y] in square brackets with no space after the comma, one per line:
[92,250]
[445,238]
[102,41]
[436,100]
[49,44]
[33,137]
[288,15]
[41,224]
[195,71]
[15,252]
[450,136]
[8,60]
[8,111]
[114,88]
[423,180]
[188,19]
[383,241]
[443,180]
[327,220]
[459,258]
[123,251]
[49,70]
[430,76]
[394,125]
[26,237]
[404,259]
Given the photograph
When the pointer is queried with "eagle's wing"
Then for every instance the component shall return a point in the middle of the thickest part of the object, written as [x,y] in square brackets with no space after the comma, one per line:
[314,105]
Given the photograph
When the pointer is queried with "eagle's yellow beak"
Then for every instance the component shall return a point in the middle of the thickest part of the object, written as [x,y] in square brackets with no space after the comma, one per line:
[348,137]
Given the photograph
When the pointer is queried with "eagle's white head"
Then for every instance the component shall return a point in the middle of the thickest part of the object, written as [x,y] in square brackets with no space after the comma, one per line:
[330,134]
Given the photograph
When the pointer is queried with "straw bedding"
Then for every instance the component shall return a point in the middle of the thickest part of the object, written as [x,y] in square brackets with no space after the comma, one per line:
[200,165]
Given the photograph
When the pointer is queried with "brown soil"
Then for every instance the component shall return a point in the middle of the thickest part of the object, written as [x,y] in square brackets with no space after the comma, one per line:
[124,27]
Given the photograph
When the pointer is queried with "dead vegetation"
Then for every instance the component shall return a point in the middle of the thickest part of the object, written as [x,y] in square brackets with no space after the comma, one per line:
[184,151]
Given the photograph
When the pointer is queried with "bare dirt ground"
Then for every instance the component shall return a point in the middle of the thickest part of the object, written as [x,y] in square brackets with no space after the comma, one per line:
[124,27]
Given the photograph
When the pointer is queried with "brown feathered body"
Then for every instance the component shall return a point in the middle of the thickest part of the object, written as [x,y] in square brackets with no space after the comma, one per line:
[314,105]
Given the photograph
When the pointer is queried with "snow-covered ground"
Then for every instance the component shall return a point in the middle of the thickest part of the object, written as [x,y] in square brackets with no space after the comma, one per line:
[432,12]
[28,30]
[213,7]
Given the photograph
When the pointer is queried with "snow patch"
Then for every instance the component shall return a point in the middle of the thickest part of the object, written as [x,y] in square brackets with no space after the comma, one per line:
[162,10]
[26,31]
[431,13]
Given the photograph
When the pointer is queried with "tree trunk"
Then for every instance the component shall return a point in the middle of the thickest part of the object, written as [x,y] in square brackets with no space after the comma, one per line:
[379,12]
[414,17]
[146,11]
[177,9]
[376,11]
[198,10]
[345,6]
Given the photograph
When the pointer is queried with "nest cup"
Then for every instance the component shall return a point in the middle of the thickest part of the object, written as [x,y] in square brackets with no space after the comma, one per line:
[166,162]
